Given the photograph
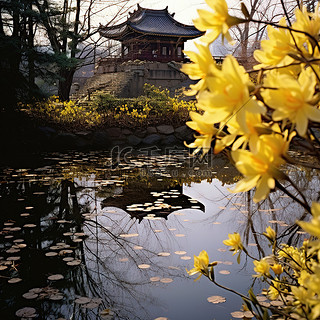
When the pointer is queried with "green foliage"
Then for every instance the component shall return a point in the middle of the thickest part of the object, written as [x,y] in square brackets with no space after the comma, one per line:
[105,110]
[152,108]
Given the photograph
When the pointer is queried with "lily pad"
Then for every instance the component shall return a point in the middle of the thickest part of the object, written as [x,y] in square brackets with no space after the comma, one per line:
[216,299]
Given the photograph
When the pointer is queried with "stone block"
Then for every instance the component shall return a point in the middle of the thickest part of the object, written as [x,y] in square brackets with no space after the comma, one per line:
[165,129]
[152,139]
[133,140]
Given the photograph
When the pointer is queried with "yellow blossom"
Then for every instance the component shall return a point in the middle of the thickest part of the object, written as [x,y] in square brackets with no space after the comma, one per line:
[241,136]
[292,98]
[259,169]
[308,22]
[275,50]
[216,22]
[277,268]
[312,227]
[262,267]
[229,95]
[206,130]
[234,242]
[274,290]
[270,234]
[201,265]
[203,66]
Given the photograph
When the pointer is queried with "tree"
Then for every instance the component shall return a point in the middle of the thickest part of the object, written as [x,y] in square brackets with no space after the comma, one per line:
[17,29]
[69,28]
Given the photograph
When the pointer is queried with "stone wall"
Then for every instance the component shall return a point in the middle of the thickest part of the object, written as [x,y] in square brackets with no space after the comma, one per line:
[162,136]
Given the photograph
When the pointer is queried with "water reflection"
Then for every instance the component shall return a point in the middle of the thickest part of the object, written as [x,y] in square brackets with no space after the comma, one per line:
[78,237]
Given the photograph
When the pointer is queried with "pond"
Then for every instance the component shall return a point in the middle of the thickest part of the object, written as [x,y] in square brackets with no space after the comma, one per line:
[109,235]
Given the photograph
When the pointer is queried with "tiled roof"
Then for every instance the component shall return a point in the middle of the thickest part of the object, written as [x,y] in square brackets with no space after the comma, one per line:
[151,22]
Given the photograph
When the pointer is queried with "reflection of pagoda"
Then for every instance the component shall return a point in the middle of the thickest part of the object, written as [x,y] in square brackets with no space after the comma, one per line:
[152,35]
[139,192]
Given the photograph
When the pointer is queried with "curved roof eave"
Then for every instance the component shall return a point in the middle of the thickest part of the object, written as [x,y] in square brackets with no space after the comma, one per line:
[166,34]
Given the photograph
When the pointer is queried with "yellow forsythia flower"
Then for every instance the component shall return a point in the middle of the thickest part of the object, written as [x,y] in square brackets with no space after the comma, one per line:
[292,98]
[312,227]
[270,234]
[216,22]
[234,242]
[202,67]
[262,267]
[274,290]
[277,268]
[308,22]
[275,50]
[229,95]
[259,169]
[201,265]
[206,130]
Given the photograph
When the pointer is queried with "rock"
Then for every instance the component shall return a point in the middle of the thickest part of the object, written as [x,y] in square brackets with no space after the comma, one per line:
[141,133]
[48,132]
[165,129]
[83,134]
[170,140]
[133,140]
[126,131]
[152,139]
[114,132]
[152,130]
[183,133]
[101,139]
[81,143]
[65,140]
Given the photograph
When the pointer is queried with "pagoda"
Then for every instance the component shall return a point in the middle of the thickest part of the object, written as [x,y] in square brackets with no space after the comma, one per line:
[151,35]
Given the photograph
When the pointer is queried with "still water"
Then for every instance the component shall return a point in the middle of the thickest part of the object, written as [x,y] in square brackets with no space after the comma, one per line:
[110,235]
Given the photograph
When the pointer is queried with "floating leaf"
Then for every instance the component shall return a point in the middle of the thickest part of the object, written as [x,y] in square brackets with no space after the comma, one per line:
[237,314]
[216,299]
[107,314]
[123,259]
[144,266]
[30,295]
[56,297]
[129,235]
[166,280]
[29,225]
[154,279]
[14,280]
[68,259]
[26,312]
[180,235]
[185,258]
[75,262]
[276,303]
[164,254]
[51,254]
[82,300]
[55,277]
[224,272]
[180,252]
[91,305]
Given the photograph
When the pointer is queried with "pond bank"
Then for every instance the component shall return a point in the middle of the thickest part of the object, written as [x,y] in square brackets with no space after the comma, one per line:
[20,135]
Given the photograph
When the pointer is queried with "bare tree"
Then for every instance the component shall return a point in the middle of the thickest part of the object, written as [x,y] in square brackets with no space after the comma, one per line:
[72,30]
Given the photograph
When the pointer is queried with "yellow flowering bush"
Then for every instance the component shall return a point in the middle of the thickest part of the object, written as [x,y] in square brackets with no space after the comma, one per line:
[255,123]
[149,109]
[106,110]
[64,113]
